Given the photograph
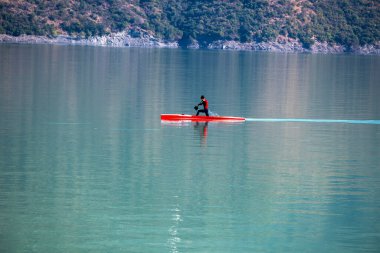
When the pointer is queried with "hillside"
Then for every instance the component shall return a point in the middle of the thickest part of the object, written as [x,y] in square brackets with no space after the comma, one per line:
[344,22]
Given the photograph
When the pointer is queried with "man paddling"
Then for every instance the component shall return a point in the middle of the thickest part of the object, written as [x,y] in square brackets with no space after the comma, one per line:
[203,102]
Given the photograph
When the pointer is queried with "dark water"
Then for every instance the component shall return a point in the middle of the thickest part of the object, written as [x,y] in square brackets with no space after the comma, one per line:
[86,165]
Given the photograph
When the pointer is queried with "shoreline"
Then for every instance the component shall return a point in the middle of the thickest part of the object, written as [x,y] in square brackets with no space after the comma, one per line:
[144,40]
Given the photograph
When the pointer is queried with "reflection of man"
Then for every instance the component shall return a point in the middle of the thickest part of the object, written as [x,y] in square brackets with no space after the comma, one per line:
[204,103]
[203,131]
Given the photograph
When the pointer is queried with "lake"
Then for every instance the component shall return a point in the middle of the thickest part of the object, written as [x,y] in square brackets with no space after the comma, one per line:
[86,165]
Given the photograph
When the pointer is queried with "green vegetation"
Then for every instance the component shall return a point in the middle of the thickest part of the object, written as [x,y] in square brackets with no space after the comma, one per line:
[347,22]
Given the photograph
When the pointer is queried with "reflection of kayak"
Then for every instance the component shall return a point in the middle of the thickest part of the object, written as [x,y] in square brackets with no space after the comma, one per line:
[187,117]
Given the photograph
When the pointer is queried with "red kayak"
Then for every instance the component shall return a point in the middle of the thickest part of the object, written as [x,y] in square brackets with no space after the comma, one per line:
[187,117]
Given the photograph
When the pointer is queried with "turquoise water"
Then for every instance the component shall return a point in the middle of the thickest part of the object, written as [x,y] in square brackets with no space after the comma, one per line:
[86,165]
[377,122]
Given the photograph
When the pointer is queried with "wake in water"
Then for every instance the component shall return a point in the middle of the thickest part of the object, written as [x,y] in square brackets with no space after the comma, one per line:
[212,113]
[373,122]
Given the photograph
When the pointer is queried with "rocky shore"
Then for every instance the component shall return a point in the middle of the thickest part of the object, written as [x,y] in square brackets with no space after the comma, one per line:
[122,39]
[143,39]
[293,46]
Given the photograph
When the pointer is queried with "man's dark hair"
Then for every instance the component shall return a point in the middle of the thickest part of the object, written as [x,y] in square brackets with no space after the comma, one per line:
[202,97]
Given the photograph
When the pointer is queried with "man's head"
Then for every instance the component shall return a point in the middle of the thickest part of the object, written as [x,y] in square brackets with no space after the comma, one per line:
[202,97]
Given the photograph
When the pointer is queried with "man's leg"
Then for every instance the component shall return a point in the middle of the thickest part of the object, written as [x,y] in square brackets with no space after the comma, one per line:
[200,111]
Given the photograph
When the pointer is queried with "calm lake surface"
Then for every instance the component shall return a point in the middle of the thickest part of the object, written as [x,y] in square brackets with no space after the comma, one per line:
[86,165]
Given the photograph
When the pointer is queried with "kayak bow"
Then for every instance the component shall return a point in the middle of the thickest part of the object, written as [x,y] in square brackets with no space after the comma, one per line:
[187,117]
